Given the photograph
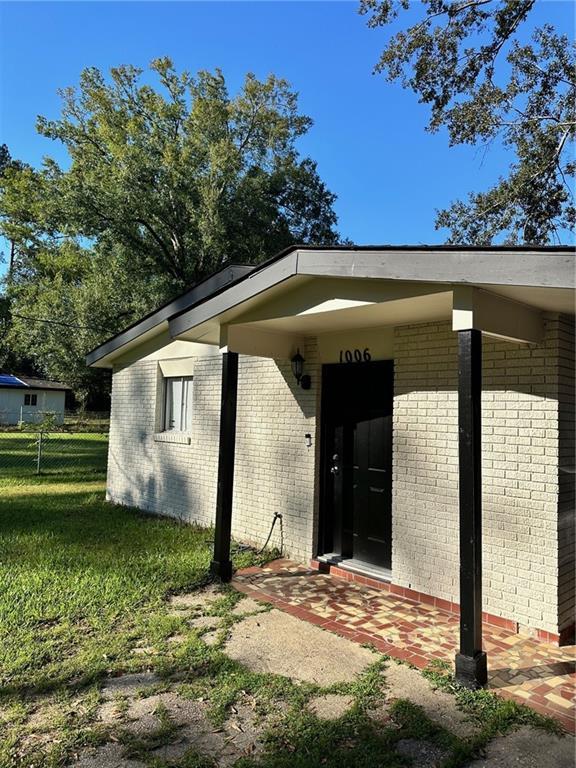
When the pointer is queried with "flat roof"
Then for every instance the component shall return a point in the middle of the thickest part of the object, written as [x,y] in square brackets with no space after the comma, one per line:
[529,266]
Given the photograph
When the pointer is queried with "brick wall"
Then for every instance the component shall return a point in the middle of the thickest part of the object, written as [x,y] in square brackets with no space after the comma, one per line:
[164,478]
[425,460]
[520,476]
[274,467]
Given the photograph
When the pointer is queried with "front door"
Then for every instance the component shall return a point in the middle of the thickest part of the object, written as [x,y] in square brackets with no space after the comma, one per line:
[357,461]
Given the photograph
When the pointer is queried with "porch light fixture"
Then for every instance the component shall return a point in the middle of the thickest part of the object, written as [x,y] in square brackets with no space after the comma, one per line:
[298,370]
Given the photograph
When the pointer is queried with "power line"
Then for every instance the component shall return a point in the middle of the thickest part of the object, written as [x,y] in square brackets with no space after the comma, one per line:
[60,322]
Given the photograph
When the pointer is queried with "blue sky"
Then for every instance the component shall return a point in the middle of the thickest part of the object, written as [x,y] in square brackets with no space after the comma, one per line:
[368,136]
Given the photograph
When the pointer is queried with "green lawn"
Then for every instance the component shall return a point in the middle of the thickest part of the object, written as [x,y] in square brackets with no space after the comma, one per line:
[82,581]
[62,454]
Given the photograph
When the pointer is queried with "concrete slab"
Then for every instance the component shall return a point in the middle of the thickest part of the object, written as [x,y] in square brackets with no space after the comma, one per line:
[278,643]
[405,683]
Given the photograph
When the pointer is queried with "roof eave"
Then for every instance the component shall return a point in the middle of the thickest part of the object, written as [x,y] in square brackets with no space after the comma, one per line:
[547,267]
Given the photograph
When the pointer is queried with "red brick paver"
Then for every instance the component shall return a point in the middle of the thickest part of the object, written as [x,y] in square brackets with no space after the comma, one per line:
[540,675]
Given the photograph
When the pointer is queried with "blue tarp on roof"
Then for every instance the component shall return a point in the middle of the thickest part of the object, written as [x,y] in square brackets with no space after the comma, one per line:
[7,380]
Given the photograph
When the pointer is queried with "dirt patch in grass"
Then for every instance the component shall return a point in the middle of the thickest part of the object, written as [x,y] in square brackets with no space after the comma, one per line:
[403,682]
[199,599]
[529,748]
[107,756]
[248,605]
[422,753]
[331,706]
[129,685]
[204,622]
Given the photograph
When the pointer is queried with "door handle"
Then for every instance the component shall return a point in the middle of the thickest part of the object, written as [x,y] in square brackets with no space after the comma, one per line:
[335,468]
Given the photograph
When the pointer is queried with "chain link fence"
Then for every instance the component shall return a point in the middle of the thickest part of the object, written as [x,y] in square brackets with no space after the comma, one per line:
[78,446]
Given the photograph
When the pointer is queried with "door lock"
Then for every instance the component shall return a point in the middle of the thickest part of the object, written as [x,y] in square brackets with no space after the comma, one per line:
[335,468]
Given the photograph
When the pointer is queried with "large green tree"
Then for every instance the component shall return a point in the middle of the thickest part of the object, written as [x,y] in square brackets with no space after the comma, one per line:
[169,177]
[485,80]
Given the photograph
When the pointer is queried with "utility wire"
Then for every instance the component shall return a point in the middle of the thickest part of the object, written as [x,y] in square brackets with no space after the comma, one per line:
[60,322]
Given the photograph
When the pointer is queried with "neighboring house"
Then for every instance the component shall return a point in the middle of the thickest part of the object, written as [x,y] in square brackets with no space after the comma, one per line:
[408,411]
[27,399]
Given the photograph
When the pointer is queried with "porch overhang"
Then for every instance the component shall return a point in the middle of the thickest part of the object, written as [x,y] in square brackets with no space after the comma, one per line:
[310,291]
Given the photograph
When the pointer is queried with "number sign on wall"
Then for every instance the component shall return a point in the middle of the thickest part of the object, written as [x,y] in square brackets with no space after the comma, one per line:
[360,345]
[355,355]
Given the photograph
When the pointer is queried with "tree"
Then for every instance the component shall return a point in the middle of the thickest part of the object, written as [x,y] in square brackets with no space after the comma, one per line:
[8,164]
[183,177]
[164,186]
[67,306]
[467,61]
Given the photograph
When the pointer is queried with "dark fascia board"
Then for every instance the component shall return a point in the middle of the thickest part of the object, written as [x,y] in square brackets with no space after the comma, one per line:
[546,267]
[207,288]
[266,276]
[549,267]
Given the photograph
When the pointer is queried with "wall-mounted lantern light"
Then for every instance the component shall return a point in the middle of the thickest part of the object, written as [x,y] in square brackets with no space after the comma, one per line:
[302,379]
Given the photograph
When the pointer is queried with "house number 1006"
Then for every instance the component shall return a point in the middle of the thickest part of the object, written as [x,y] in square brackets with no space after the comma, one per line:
[355,355]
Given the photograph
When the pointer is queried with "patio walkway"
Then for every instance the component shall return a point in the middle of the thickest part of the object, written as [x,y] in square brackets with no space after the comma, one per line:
[540,675]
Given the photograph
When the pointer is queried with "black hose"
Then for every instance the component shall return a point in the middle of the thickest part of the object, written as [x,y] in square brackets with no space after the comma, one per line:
[277,516]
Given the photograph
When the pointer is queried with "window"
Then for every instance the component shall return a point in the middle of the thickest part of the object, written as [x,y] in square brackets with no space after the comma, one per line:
[30,399]
[178,404]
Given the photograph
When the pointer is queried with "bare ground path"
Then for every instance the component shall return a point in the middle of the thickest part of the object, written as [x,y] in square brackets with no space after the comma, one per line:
[257,687]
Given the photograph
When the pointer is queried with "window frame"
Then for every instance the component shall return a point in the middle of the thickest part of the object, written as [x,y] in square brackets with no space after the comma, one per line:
[185,405]
[31,400]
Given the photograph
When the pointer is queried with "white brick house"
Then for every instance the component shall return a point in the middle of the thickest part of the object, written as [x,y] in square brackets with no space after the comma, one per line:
[375,466]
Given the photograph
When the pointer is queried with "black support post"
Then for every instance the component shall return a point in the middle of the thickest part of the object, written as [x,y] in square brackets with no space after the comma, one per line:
[221,564]
[471,666]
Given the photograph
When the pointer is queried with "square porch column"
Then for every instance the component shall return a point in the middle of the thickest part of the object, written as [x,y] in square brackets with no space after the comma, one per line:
[221,564]
[471,663]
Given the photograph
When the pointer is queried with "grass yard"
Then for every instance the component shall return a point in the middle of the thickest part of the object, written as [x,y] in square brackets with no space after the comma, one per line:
[73,454]
[81,581]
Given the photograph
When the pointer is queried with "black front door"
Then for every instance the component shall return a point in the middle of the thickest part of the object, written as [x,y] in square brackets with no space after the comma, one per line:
[357,461]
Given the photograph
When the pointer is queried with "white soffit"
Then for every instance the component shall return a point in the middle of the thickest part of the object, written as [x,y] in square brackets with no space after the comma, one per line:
[302,297]
[475,308]
[436,306]
[144,344]
[545,299]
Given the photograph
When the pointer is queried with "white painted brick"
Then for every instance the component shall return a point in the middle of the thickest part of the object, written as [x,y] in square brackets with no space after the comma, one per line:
[274,470]
[520,471]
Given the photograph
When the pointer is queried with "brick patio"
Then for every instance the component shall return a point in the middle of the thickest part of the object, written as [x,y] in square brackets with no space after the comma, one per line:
[538,674]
